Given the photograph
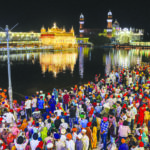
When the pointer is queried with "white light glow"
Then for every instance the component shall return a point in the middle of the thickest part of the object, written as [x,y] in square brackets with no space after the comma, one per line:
[82,16]
[81,22]
[109,20]
[109,30]
[81,31]
[125,29]
[109,13]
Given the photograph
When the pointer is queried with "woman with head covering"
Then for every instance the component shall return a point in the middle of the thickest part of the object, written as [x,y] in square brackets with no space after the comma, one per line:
[98,122]
[146,116]
[144,137]
[24,125]
[44,133]
[10,139]
[15,131]
[94,135]
[89,133]
[49,137]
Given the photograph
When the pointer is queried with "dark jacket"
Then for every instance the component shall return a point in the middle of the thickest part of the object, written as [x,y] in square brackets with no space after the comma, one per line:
[72,112]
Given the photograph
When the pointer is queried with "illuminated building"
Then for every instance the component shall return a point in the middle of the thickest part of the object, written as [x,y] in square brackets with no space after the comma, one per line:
[128,35]
[83,40]
[121,35]
[116,25]
[58,37]
[20,36]
[109,25]
[20,39]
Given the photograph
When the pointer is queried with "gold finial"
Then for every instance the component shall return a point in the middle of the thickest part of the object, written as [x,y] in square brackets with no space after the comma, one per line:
[54,26]
[72,30]
[64,30]
[43,29]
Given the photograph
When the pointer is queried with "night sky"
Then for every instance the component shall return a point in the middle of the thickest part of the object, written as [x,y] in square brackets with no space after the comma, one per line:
[31,14]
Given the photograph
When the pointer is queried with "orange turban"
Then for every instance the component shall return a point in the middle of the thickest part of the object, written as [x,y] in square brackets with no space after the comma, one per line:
[123,140]
[47,117]
[15,101]
[5,90]
[74,129]
[69,136]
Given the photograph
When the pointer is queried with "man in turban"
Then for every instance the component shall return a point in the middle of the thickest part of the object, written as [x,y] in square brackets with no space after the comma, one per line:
[60,145]
[79,144]
[85,140]
[70,145]
[104,130]
[123,146]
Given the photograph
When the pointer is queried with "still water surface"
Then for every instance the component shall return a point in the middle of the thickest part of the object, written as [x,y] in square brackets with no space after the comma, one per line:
[46,70]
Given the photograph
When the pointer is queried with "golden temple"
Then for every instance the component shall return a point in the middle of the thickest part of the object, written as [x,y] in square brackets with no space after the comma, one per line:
[58,37]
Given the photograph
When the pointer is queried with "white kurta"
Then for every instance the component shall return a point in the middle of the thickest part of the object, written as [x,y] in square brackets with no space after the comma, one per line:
[85,140]
[70,145]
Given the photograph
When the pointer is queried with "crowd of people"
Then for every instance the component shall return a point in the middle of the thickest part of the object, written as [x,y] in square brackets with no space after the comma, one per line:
[110,113]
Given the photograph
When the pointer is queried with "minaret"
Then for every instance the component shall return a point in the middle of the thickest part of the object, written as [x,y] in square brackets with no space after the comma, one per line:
[109,25]
[81,22]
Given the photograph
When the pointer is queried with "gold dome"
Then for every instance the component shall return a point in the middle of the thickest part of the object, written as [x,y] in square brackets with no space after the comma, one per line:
[43,30]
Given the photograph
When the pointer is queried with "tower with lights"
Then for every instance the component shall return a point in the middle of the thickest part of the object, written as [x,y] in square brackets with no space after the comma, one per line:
[81,22]
[109,25]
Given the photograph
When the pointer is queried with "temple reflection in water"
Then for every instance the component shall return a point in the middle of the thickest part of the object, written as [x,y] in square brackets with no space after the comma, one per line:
[58,62]
[62,61]
[54,62]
